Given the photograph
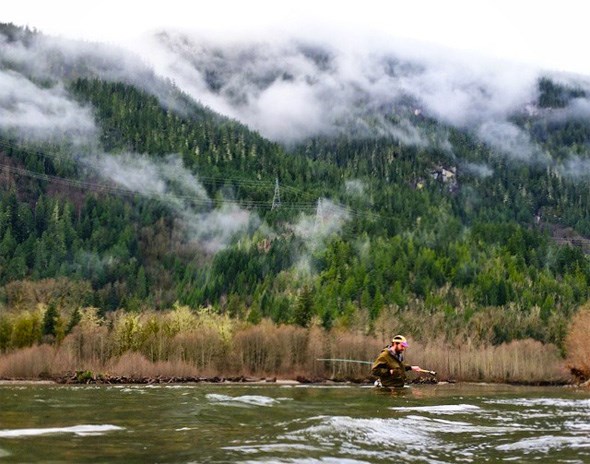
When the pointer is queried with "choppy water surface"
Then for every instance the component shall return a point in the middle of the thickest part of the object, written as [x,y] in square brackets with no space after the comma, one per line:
[293,424]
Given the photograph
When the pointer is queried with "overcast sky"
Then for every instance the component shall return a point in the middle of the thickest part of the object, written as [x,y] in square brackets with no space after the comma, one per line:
[552,35]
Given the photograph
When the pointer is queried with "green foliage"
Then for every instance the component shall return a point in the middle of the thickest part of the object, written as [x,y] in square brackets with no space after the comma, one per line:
[5,333]
[26,329]
[412,239]
[50,320]
[84,376]
[304,307]
[74,320]
[553,95]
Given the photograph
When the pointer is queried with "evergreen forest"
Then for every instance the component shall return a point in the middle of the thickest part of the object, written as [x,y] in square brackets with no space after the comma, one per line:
[165,202]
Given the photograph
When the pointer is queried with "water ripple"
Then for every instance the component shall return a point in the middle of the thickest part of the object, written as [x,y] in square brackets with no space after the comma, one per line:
[253,400]
[546,443]
[80,430]
[441,409]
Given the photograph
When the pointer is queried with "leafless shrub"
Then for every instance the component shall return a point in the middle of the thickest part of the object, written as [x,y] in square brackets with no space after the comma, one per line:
[35,362]
[202,348]
[351,347]
[137,366]
[520,361]
[89,342]
[201,342]
[578,345]
[254,349]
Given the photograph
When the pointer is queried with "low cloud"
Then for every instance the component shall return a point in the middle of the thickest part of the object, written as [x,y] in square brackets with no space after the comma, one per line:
[328,220]
[168,181]
[575,167]
[54,61]
[290,89]
[480,170]
[315,231]
[508,139]
[39,112]
[35,105]
[355,187]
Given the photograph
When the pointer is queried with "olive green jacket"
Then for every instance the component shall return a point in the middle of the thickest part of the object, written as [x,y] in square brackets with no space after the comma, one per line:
[383,367]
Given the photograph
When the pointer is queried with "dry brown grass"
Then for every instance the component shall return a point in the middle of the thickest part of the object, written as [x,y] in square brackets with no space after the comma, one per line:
[255,350]
[354,346]
[35,362]
[89,343]
[521,361]
[577,343]
[317,343]
[203,348]
[267,349]
[137,366]
[183,342]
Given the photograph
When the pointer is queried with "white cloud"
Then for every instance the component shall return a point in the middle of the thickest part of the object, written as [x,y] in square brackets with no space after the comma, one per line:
[508,139]
[288,111]
[523,31]
[316,231]
[168,181]
[355,187]
[575,167]
[290,88]
[481,170]
[33,111]
[328,220]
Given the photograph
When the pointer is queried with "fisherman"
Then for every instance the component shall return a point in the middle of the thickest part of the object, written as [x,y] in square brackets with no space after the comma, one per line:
[389,365]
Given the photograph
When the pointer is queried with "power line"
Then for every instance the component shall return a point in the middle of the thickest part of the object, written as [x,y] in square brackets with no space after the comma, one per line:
[304,206]
[207,180]
[276,199]
[249,204]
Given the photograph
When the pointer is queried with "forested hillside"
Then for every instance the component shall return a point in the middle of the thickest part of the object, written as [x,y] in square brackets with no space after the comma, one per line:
[141,201]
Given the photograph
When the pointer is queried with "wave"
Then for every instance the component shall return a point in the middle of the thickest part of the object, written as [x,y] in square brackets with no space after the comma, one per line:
[253,400]
[441,409]
[324,460]
[551,402]
[80,430]
[546,443]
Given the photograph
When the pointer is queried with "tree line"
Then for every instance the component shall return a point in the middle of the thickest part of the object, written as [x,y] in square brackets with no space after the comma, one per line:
[427,236]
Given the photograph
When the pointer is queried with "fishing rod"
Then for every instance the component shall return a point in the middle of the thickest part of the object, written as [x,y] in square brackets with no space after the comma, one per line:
[345,360]
[425,371]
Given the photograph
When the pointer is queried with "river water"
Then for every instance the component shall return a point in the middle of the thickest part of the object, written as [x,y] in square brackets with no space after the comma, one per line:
[293,424]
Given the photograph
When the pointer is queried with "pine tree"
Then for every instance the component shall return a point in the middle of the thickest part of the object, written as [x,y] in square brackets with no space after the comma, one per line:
[50,320]
[304,308]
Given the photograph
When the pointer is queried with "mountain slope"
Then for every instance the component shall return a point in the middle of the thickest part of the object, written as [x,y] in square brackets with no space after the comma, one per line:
[129,194]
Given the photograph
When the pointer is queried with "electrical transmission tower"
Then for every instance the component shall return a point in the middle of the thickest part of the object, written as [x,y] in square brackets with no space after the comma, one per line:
[276,200]
[319,215]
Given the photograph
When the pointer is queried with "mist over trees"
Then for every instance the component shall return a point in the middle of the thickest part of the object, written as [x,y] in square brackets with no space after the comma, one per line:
[137,204]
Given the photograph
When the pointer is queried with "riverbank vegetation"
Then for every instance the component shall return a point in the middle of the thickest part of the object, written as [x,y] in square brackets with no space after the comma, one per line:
[578,346]
[273,255]
[186,343]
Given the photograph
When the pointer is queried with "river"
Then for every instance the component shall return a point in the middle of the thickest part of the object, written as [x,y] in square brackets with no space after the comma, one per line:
[461,423]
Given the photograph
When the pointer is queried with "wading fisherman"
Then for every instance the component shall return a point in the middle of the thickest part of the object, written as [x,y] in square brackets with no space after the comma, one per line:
[389,365]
